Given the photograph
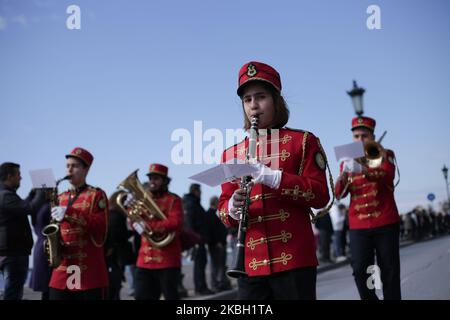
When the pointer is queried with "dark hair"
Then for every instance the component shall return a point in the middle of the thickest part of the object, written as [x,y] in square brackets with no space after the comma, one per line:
[194,187]
[8,168]
[214,200]
[281,107]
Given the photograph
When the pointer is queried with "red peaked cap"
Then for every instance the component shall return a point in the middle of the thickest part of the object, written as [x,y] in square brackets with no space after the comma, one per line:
[364,122]
[258,71]
[82,154]
[156,168]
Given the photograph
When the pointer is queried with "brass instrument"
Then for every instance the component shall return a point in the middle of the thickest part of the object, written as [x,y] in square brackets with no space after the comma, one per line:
[141,208]
[374,153]
[239,262]
[53,244]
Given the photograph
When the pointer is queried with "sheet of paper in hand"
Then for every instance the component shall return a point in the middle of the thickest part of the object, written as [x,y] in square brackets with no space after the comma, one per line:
[349,151]
[43,178]
[223,173]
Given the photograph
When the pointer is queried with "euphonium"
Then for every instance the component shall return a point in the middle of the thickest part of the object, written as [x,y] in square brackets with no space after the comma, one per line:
[141,208]
[53,244]
[239,263]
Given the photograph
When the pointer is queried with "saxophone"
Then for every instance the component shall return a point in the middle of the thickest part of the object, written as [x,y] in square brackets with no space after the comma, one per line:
[52,243]
[239,262]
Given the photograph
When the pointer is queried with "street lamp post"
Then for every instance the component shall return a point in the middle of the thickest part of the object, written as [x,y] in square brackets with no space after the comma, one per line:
[445,172]
[357,98]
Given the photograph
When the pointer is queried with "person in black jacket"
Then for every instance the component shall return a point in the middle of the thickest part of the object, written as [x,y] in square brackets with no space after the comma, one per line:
[325,228]
[118,250]
[217,246]
[42,272]
[15,233]
[195,217]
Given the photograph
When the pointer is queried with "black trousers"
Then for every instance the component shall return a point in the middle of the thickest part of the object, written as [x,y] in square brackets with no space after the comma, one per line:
[296,284]
[382,242]
[150,283]
[92,294]
[200,260]
[218,254]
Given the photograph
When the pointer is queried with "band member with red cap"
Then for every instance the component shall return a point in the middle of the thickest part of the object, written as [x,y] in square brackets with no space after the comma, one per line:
[280,253]
[373,217]
[82,214]
[158,268]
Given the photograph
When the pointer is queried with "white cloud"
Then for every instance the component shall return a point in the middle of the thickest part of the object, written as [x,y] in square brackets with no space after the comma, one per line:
[2,23]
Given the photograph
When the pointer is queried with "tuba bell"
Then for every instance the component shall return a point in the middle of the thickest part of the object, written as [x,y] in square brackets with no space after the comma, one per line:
[141,208]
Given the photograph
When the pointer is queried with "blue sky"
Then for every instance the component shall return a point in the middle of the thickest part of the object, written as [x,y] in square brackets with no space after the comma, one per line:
[138,70]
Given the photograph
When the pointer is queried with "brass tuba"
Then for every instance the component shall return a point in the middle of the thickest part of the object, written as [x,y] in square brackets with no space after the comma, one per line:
[141,208]
[52,243]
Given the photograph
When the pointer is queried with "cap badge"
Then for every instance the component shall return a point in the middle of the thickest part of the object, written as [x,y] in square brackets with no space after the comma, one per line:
[251,70]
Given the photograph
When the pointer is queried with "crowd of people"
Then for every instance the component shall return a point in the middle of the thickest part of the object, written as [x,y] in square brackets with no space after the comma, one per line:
[332,235]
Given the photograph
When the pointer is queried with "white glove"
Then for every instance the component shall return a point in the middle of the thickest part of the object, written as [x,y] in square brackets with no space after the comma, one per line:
[139,227]
[58,213]
[232,210]
[267,176]
[351,166]
[128,200]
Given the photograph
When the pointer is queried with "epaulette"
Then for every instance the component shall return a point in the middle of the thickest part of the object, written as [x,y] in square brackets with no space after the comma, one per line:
[298,130]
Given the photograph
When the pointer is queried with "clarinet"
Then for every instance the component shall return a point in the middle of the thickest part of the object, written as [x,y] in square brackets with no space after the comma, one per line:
[239,262]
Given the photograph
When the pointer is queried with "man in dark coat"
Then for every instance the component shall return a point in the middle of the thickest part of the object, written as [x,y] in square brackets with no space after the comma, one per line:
[40,276]
[195,219]
[217,245]
[118,250]
[15,233]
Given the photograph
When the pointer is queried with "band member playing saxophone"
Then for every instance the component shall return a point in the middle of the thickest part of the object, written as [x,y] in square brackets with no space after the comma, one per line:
[373,215]
[279,259]
[82,215]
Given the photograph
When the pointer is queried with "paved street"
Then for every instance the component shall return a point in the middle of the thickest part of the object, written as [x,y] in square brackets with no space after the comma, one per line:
[425,274]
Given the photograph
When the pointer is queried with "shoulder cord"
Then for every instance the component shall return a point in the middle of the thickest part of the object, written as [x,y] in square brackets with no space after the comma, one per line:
[323,212]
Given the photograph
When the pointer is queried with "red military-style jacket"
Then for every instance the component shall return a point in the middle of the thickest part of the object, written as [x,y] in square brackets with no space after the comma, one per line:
[83,233]
[279,235]
[372,202]
[170,255]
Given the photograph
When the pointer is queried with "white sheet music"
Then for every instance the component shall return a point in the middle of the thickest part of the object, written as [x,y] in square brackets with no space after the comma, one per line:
[223,173]
[43,178]
[349,151]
